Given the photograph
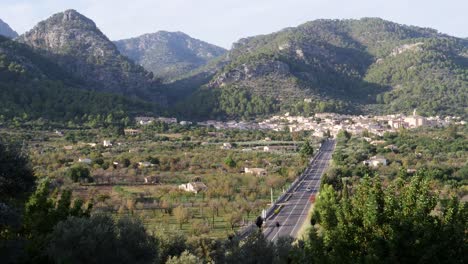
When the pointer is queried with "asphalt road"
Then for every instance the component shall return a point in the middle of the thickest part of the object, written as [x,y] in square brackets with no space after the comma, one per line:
[295,209]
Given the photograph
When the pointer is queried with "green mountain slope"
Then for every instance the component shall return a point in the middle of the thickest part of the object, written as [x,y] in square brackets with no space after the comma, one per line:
[168,54]
[428,74]
[32,87]
[347,66]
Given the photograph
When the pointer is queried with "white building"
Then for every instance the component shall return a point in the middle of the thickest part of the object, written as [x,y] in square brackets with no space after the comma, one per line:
[194,187]
[168,120]
[415,120]
[131,132]
[226,146]
[255,171]
[375,161]
[144,120]
[145,164]
[84,160]
[107,143]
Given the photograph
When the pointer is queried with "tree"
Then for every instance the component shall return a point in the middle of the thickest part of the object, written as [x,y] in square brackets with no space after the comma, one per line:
[282,250]
[78,173]
[405,223]
[16,175]
[214,207]
[171,244]
[185,258]
[233,219]
[259,222]
[42,213]
[182,215]
[229,161]
[343,135]
[16,182]
[306,150]
[133,242]
[200,227]
[100,240]
[153,160]
[126,162]
[255,249]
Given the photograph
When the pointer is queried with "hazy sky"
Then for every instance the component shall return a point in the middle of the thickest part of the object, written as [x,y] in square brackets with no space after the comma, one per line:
[222,22]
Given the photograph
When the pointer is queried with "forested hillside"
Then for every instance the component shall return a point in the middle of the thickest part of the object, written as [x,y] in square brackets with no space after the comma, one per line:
[33,87]
[367,65]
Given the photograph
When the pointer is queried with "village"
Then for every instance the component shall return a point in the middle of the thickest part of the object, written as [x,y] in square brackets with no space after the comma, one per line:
[322,124]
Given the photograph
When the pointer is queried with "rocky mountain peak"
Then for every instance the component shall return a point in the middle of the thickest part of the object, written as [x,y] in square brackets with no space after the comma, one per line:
[75,42]
[68,32]
[71,15]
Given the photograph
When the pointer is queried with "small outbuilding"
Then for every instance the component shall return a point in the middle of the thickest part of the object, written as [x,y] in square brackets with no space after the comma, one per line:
[194,187]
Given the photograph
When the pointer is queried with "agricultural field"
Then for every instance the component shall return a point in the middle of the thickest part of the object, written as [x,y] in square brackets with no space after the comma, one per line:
[140,174]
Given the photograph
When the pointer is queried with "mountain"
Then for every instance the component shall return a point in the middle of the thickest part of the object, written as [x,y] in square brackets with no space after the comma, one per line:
[169,55]
[6,31]
[75,43]
[34,87]
[353,66]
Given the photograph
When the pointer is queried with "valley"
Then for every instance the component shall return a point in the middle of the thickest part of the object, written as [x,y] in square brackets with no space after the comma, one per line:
[333,141]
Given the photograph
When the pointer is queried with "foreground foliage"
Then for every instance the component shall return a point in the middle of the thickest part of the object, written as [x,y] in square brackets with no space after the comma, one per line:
[405,222]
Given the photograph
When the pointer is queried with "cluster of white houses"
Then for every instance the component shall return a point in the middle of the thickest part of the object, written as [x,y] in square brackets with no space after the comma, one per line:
[146,120]
[331,123]
[320,123]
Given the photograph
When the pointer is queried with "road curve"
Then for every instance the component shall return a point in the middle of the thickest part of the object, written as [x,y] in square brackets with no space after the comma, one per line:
[295,209]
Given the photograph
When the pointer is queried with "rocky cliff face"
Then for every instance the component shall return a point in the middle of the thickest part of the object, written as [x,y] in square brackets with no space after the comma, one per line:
[168,54]
[75,43]
[245,71]
[5,30]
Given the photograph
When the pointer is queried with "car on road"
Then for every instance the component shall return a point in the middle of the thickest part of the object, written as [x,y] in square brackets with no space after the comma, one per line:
[308,189]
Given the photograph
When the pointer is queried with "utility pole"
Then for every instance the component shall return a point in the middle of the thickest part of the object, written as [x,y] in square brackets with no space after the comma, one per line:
[271,191]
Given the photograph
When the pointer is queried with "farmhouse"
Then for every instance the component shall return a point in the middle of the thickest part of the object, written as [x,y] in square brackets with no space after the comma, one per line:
[185,123]
[144,164]
[375,161]
[226,146]
[256,171]
[84,160]
[194,187]
[167,120]
[131,132]
[391,147]
[107,143]
[144,120]
[378,142]
[278,148]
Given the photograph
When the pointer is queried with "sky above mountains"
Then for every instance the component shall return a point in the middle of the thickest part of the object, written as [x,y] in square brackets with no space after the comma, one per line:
[223,22]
